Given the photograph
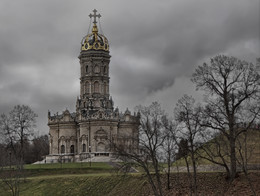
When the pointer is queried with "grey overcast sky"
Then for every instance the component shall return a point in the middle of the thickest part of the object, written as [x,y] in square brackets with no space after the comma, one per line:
[155,47]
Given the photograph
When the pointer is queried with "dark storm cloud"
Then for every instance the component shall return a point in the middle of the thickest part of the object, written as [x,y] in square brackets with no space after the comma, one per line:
[211,31]
[178,36]
[155,46]
[36,31]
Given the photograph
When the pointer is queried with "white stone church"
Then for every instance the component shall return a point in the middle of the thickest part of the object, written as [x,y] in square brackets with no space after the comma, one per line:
[88,132]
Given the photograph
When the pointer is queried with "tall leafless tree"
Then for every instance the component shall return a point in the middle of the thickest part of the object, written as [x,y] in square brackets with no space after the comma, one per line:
[169,145]
[215,149]
[232,87]
[245,151]
[151,138]
[18,127]
[189,115]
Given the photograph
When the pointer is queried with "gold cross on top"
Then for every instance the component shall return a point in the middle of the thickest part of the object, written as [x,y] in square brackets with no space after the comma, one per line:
[95,16]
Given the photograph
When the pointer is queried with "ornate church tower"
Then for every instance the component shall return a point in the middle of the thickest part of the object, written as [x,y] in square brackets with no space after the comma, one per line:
[94,68]
[90,132]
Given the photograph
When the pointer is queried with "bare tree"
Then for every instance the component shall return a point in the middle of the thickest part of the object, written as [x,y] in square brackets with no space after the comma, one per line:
[169,145]
[151,138]
[183,153]
[215,149]
[232,88]
[17,128]
[12,179]
[244,154]
[189,116]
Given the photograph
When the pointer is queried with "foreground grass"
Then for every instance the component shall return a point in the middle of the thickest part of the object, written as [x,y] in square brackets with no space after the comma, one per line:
[130,185]
[69,179]
[93,184]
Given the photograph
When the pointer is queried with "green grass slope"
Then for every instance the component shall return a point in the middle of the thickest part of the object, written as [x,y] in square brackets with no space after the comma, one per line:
[98,185]
[130,185]
[252,146]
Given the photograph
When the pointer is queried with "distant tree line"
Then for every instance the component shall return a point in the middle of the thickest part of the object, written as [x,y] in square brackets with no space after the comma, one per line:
[19,143]
[35,150]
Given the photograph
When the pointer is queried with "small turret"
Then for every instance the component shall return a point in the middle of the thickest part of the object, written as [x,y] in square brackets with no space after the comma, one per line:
[127,112]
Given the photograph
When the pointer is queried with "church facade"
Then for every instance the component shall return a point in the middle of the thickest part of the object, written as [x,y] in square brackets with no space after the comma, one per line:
[91,130]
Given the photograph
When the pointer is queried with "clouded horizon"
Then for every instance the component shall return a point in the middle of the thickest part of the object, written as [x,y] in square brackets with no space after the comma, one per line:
[155,47]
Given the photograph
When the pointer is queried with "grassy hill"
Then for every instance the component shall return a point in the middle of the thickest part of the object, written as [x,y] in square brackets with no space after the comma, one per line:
[79,185]
[74,179]
[130,185]
[251,147]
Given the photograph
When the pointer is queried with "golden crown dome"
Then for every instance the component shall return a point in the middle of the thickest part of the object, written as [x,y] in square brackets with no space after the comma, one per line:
[94,40]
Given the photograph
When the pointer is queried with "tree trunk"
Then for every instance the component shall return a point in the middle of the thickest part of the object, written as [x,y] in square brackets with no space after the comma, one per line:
[150,178]
[157,173]
[233,164]
[189,174]
[168,173]
[194,173]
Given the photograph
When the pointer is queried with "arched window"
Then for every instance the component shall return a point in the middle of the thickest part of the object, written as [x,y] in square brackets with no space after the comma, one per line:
[62,149]
[87,89]
[72,149]
[84,148]
[86,68]
[96,69]
[96,87]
